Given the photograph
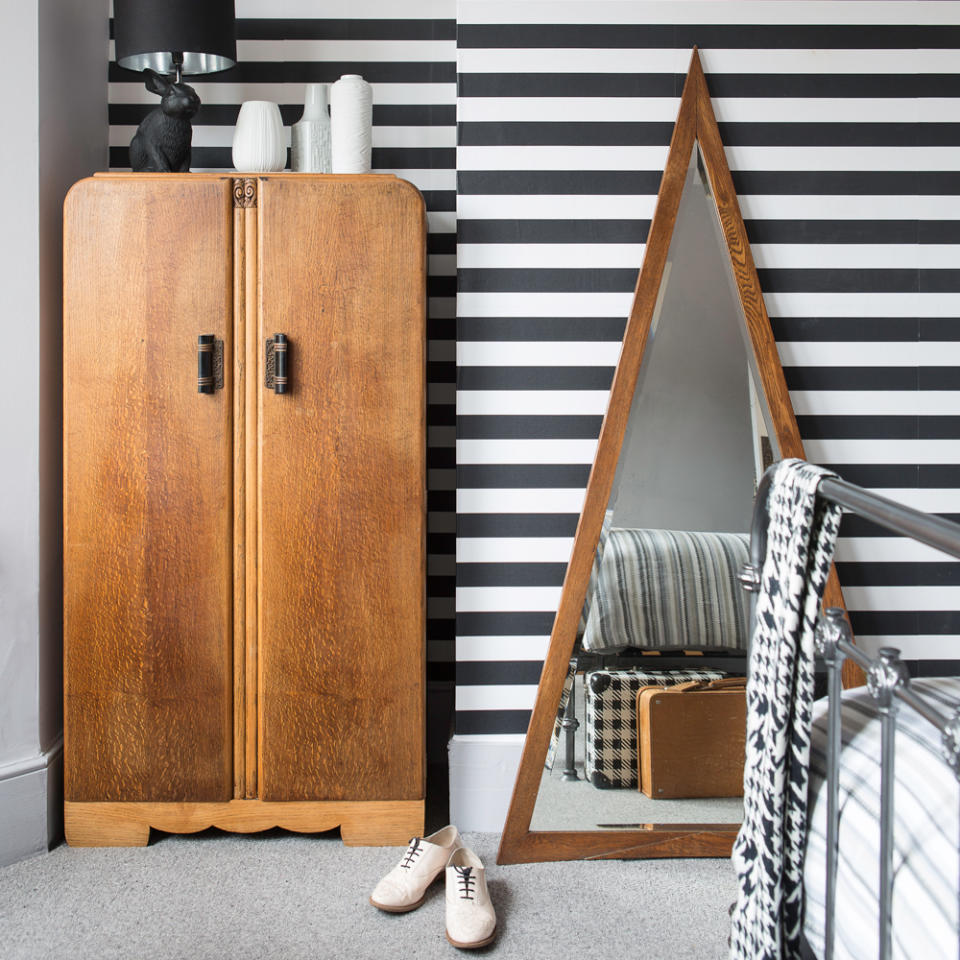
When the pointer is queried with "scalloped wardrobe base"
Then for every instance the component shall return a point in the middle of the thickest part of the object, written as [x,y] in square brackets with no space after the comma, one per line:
[362,823]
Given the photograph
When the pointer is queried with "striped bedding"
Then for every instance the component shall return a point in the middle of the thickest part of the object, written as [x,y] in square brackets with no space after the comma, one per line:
[927,817]
[660,589]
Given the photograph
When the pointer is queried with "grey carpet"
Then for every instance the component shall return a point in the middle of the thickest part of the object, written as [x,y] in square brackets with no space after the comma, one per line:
[284,896]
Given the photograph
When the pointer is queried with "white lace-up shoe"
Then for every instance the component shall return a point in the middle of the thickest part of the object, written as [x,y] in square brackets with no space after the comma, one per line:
[471,921]
[403,888]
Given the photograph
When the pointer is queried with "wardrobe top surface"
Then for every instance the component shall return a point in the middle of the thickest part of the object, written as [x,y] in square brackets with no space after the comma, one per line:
[235,174]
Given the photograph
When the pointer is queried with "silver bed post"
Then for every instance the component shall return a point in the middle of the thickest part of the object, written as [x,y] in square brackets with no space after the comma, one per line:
[885,675]
[887,678]
[750,572]
[569,725]
[832,629]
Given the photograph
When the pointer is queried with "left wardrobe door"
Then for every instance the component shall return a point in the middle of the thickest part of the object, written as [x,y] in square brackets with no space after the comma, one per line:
[148,491]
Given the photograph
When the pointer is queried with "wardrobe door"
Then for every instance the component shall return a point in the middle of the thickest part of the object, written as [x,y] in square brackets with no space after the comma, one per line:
[147,490]
[342,491]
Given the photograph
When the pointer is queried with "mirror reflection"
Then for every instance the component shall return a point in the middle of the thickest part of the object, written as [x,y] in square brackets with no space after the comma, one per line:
[650,725]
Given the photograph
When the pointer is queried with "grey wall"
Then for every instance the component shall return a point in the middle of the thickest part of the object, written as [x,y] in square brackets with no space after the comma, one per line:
[19,427]
[57,133]
[687,459]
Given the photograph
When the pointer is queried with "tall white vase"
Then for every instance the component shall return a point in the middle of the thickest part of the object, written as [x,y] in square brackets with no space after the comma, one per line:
[259,144]
[351,119]
[310,135]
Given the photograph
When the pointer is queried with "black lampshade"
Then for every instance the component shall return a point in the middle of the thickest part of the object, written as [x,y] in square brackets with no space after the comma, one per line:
[148,32]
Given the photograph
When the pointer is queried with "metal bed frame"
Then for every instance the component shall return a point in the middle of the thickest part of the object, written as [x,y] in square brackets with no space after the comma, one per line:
[888,681]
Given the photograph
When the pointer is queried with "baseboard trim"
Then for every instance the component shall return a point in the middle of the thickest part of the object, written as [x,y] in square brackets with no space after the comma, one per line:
[31,797]
[482,773]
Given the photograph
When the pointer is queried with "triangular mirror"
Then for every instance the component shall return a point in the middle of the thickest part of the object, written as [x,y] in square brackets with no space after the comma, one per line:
[698,371]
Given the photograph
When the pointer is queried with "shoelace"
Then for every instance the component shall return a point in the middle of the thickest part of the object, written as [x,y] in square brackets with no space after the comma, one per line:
[465,878]
[413,851]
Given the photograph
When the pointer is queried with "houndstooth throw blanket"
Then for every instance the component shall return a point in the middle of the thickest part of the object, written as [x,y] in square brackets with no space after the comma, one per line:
[768,853]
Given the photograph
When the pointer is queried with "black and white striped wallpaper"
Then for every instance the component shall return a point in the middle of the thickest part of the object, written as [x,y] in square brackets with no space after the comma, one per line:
[841,122]
[407,52]
[842,126]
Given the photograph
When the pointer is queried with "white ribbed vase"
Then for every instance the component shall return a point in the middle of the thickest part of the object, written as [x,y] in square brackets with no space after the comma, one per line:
[351,120]
[310,135]
[259,145]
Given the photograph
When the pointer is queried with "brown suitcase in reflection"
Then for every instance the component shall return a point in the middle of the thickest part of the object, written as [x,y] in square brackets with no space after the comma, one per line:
[692,738]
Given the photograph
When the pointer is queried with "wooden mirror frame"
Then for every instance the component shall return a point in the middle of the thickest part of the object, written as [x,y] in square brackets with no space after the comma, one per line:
[696,123]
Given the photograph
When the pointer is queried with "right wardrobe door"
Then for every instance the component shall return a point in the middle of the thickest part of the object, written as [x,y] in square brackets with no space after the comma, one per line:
[342,481]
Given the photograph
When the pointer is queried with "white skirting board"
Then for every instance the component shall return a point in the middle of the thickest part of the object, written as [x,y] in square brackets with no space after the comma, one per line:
[440,694]
[31,798]
[482,772]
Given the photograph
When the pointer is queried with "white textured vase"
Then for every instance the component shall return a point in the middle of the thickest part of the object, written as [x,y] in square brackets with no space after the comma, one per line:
[259,145]
[310,135]
[351,120]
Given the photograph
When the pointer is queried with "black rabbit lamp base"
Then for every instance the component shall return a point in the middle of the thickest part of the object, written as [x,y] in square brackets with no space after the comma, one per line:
[165,41]
[163,141]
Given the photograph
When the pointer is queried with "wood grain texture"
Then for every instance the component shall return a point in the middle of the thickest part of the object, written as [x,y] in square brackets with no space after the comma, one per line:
[148,506]
[240,429]
[373,823]
[516,832]
[650,842]
[766,357]
[250,453]
[695,123]
[342,483]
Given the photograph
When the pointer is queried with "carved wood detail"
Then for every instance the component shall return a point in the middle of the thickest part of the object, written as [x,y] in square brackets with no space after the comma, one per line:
[245,192]
[362,823]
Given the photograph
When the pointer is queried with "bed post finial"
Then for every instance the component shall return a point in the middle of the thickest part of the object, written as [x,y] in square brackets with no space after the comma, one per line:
[832,627]
[950,742]
[886,673]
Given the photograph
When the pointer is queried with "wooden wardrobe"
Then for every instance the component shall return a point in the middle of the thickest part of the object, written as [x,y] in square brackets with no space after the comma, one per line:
[244,505]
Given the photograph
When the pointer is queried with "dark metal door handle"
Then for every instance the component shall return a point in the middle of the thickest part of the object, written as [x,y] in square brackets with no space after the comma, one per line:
[276,363]
[205,350]
[280,370]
